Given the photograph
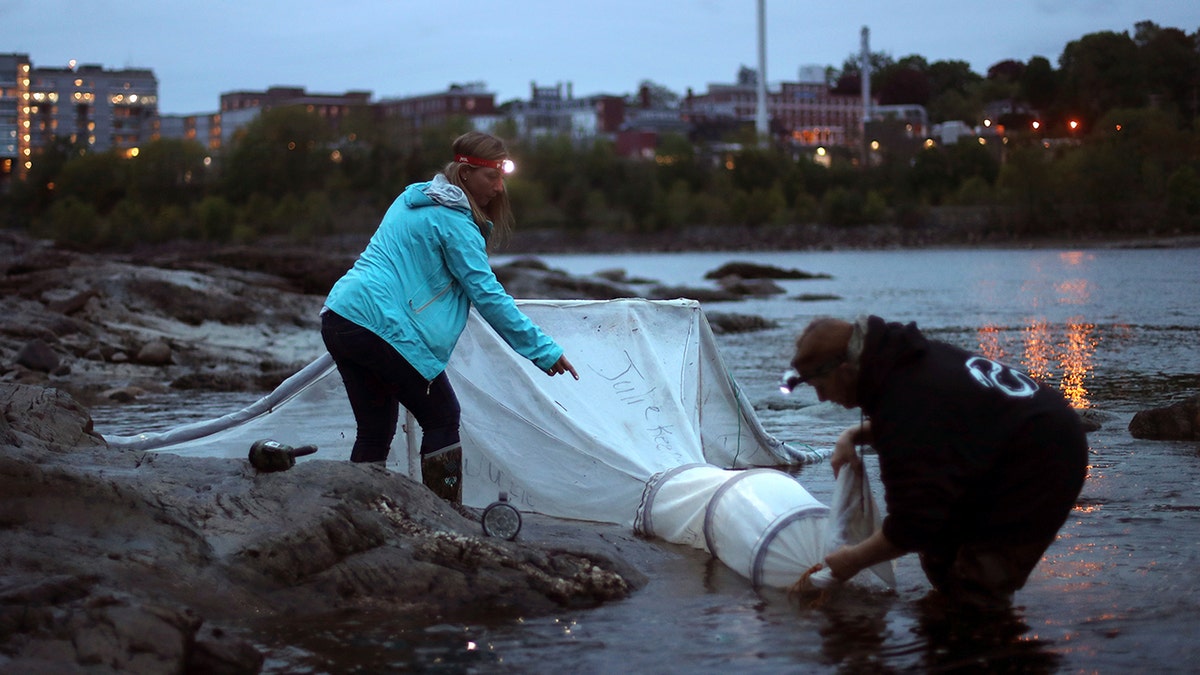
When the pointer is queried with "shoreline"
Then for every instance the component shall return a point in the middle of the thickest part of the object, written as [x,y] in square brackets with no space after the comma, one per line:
[815,238]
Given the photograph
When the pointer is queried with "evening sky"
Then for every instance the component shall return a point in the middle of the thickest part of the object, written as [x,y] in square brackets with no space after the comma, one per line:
[393,48]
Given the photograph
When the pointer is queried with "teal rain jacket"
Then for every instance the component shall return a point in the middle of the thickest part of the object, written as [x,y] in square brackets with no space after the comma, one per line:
[420,274]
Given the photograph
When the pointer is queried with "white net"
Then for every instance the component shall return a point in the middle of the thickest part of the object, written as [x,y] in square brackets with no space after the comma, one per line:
[653,396]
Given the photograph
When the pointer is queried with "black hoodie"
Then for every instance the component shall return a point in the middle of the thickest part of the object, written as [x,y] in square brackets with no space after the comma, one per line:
[970,450]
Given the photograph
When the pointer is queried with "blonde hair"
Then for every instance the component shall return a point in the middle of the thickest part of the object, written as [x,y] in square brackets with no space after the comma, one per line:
[499,210]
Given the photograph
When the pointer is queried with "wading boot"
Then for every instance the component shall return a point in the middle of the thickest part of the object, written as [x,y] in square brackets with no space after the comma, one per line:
[441,471]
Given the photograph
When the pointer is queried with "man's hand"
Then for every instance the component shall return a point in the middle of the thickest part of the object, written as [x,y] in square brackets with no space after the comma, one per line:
[848,561]
[845,451]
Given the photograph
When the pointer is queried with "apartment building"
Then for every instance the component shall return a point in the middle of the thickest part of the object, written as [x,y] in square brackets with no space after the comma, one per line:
[203,128]
[97,108]
[14,117]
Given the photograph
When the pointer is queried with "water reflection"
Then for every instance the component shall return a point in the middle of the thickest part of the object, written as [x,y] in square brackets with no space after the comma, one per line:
[1047,352]
[1039,350]
[865,634]
[1075,359]
[1061,353]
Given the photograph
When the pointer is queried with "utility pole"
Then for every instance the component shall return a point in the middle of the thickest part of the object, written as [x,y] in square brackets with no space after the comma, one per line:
[760,117]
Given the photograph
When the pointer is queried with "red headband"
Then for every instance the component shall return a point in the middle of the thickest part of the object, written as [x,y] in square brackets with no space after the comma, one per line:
[505,165]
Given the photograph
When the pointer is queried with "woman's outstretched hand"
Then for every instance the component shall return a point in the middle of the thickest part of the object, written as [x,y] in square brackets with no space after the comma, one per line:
[562,365]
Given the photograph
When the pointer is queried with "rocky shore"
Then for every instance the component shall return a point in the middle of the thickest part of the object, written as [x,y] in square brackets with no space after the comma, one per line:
[130,562]
[125,561]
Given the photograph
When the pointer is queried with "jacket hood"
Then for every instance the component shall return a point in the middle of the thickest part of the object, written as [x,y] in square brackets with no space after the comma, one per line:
[441,192]
[437,192]
[885,347]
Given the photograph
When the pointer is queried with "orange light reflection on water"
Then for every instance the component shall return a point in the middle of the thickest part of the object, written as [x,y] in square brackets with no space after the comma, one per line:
[1050,352]
[1039,351]
[1076,362]
[989,342]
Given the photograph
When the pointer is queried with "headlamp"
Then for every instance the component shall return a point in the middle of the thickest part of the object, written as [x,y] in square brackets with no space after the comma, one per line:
[793,378]
[504,165]
[789,381]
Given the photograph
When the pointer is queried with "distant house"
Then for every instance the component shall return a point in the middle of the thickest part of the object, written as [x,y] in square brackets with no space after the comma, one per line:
[555,111]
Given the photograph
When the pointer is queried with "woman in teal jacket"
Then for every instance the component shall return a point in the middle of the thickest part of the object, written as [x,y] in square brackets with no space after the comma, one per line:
[391,322]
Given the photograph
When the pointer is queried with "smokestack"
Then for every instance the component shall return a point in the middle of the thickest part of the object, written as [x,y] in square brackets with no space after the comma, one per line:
[760,118]
[864,67]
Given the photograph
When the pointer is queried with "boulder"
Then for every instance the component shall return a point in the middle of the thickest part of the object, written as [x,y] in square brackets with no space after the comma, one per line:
[659,292]
[154,353]
[39,356]
[727,322]
[756,287]
[748,270]
[532,278]
[1179,421]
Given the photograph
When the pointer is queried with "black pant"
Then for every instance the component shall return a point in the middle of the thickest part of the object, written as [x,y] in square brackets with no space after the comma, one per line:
[378,381]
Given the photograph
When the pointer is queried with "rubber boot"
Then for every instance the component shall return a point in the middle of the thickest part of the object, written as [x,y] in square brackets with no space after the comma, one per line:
[441,471]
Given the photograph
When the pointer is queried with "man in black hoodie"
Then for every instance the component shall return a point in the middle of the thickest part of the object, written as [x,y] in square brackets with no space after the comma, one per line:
[980,464]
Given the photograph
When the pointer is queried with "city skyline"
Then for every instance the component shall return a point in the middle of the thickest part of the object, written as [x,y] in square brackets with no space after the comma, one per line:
[602,47]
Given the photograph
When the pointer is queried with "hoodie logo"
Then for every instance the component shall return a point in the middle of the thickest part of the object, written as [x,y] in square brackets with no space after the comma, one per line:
[1011,382]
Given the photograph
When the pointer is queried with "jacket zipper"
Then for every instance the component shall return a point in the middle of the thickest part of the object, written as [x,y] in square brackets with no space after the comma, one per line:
[439,294]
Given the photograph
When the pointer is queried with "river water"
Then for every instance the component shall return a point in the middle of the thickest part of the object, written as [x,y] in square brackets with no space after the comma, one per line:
[1117,330]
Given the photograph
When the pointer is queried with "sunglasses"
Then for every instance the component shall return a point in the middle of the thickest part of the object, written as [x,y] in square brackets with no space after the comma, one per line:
[792,378]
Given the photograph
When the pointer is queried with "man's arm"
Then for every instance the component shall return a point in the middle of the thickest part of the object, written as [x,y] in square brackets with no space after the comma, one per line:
[845,449]
[848,561]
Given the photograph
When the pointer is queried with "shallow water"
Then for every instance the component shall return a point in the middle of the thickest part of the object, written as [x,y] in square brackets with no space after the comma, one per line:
[1116,330]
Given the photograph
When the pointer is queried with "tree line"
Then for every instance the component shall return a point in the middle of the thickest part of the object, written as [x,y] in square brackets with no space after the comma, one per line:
[1116,149]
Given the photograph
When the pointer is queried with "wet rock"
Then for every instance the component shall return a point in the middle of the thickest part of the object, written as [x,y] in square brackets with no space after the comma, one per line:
[156,353]
[815,297]
[122,394]
[532,278]
[699,294]
[130,561]
[725,322]
[39,356]
[619,275]
[106,319]
[1176,422]
[71,303]
[230,380]
[755,287]
[747,270]
[1092,419]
